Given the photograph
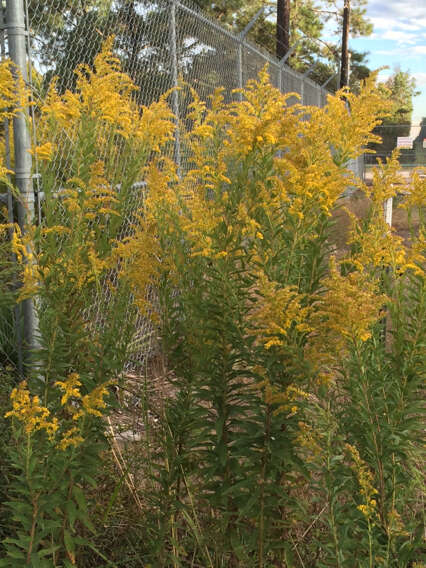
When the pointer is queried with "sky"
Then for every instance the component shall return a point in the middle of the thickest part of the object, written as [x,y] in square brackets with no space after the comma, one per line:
[398,40]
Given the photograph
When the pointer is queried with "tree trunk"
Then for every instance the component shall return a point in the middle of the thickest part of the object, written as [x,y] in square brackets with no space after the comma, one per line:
[283,27]
[344,72]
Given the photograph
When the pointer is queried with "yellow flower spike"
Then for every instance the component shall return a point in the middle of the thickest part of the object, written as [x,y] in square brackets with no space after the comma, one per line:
[377,245]
[277,310]
[71,437]
[104,96]
[70,387]
[43,152]
[310,442]
[94,402]
[365,480]
[345,312]
[29,411]
[416,194]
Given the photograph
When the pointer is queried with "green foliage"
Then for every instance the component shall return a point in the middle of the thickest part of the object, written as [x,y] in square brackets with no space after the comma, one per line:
[290,433]
[70,263]
[399,89]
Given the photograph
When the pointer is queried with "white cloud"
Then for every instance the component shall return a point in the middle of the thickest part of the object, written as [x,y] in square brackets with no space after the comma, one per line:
[401,37]
[417,50]
[403,52]
[420,78]
[408,12]
[403,21]
[387,22]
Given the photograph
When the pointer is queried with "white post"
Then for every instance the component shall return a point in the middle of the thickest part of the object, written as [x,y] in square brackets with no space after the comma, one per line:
[387,210]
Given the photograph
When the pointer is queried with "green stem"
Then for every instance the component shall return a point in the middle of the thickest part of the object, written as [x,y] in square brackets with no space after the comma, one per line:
[370,545]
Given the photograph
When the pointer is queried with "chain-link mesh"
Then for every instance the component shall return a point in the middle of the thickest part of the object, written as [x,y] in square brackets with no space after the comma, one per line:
[311,93]
[410,139]
[159,43]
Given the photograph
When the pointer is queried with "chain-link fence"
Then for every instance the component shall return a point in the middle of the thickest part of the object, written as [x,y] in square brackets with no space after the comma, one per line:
[159,43]
[408,138]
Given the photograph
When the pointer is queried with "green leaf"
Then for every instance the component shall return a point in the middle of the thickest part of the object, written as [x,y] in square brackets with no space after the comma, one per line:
[79,497]
[71,511]
[35,560]
[69,543]
[48,551]
[15,553]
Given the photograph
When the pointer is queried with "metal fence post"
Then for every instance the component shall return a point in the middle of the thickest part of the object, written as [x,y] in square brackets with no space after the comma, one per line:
[282,62]
[240,67]
[9,201]
[305,76]
[15,26]
[281,73]
[175,80]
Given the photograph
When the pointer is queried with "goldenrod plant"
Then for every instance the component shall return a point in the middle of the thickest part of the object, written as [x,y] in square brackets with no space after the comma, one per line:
[363,440]
[265,330]
[69,265]
[291,433]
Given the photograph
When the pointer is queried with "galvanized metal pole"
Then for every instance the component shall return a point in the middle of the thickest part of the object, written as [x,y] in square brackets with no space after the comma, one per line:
[15,26]
[9,200]
[175,81]
[240,68]
[305,76]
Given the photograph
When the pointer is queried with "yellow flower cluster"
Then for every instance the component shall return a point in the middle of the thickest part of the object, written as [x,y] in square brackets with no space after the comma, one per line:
[101,125]
[71,437]
[309,441]
[416,195]
[104,99]
[13,92]
[276,311]
[377,246]
[350,131]
[386,179]
[70,388]
[416,254]
[365,481]
[22,246]
[94,402]
[43,152]
[257,122]
[285,401]
[79,406]
[7,101]
[345,312]
[91,403]
[28,410]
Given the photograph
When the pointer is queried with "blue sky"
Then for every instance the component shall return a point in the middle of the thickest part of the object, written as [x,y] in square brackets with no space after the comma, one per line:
[398,40]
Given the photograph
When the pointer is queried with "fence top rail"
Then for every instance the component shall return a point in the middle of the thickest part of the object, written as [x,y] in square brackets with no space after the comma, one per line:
[195,11]
[191,9]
